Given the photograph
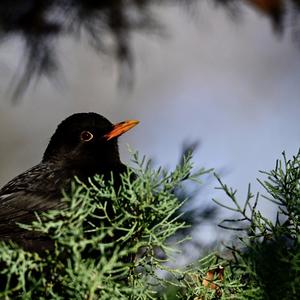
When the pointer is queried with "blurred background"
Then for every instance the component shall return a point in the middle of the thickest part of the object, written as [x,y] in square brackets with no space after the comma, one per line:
[225,74]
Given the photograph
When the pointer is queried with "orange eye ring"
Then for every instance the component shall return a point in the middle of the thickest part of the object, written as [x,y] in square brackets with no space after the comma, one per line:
[86,136]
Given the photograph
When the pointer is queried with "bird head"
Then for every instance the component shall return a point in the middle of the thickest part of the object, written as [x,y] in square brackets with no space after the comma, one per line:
[86,139]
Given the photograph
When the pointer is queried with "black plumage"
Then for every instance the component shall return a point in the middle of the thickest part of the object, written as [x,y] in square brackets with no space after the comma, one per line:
[83,145]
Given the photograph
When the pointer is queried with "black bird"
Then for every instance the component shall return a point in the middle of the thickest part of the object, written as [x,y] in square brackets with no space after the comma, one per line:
[83,145]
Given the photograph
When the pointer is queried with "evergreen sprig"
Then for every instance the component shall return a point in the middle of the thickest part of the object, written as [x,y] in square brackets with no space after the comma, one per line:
[108,243]
[112,244]
[267,255]
[263,259]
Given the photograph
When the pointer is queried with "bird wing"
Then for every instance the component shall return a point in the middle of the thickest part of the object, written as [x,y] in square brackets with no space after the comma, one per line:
[35,190]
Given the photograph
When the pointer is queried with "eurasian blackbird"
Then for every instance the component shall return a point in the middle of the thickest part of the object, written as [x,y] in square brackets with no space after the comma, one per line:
[83,145]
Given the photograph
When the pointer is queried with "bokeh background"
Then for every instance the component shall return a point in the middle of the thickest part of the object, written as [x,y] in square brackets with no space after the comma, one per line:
[228,78]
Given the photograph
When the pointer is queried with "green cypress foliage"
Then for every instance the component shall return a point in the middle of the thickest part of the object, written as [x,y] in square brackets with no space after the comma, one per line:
[108,244]
[113,244]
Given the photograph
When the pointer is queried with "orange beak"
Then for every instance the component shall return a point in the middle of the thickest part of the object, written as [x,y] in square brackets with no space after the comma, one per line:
[120,128]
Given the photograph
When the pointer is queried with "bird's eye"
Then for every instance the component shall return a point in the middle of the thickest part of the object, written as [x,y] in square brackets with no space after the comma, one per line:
[86,136]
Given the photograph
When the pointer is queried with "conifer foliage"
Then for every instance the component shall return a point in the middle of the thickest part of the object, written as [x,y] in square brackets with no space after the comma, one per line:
[108,244]
[113,244]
